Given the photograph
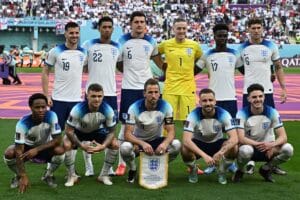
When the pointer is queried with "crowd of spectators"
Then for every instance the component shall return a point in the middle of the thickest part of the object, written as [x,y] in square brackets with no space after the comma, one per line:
[281,18]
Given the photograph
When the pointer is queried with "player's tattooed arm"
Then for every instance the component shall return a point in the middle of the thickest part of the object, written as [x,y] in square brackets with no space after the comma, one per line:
[231,142]
[72,136]
[280,77]
[109,137]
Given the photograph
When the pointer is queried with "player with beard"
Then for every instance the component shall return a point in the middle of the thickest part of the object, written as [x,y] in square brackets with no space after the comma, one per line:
[203,137]
[147,118]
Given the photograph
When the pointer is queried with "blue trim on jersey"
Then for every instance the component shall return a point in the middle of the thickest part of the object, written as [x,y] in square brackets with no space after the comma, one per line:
[115,44]
[83,108]
[221,115]
[149,38]
[162,105]
[124,38]
[91,42]
[139,106]
[268,111]
[269,44]
[27,123]
[228,50]
[61,48]
[233,51]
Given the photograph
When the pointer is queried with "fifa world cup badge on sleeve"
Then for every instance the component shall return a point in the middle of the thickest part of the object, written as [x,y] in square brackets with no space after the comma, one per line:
[153,171]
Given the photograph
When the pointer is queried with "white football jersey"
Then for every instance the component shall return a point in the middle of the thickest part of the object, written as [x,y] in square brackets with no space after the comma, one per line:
[221,67]
[209,130]
[102,60]
[85,121]
[68,66]
[257,59]
[259,127]
[136,54]
[31,134]
[149,124]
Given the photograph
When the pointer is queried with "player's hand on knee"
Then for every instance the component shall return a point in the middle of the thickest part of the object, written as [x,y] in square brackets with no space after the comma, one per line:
[161,149]
[95,147]
[29,154]
[217,157]
[209,160]
[147,148]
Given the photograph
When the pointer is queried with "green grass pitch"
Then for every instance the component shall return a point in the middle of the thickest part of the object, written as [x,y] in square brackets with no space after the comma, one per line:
[252,187]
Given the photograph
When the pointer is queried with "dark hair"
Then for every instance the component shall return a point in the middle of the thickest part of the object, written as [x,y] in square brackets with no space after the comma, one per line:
[36,96]
[179,20]
[105,19]
[218,27]
[95,87]
[71,25]
[137,14]
[254,87]
[206,91]
[150,81]
[254,20]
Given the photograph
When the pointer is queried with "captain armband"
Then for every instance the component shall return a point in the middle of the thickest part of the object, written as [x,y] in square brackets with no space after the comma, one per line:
[169,120]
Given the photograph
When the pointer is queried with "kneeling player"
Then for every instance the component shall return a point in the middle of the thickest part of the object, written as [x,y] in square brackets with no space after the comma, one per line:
[92,120]
[258,141]
[143,131]
[203,137]
[38,136]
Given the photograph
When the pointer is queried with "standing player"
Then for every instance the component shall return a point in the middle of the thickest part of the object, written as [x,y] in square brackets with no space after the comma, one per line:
[146,119]
[32,140]
[180,56]
[257,137]
[221,62]
[137,50]
[86,123]
[203,137]
[103,54]
[258,55]
[67,60]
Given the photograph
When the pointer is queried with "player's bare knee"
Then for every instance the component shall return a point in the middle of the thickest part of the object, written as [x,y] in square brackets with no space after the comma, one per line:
[246,151]
[187,155]
[67,145]
[287,150]
[10,152]
[59,150]
[114,145]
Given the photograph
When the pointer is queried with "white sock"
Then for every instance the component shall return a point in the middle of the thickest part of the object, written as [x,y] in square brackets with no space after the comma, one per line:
[121,139]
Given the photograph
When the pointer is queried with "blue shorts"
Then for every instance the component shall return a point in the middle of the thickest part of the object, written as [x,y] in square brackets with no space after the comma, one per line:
[209,148]
[154,144]
[62,110]
[259,156]
[230,106]
[99,135]
[44,156]
[128,97]
[269,100]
